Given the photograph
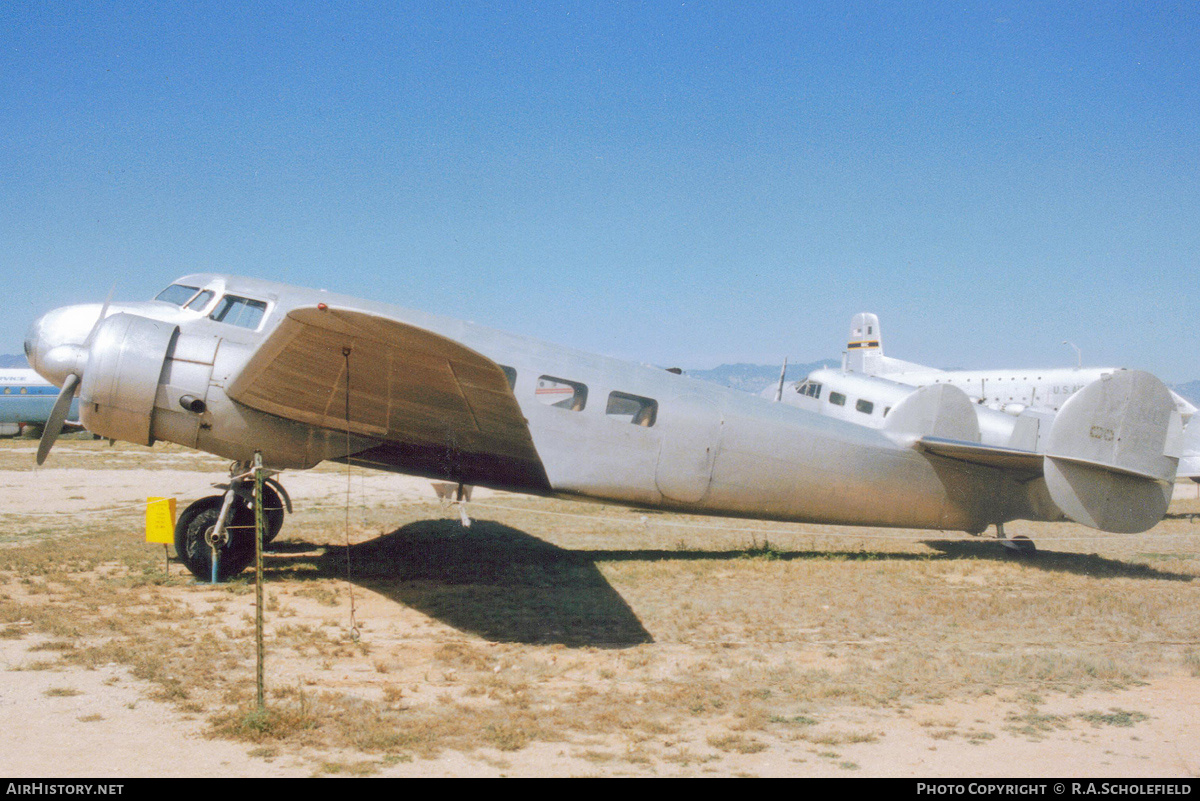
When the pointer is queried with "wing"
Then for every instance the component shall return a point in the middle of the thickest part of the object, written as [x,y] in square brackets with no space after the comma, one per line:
[440,408]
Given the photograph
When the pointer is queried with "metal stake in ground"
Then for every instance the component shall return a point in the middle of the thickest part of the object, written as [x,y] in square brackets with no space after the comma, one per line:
[258,573]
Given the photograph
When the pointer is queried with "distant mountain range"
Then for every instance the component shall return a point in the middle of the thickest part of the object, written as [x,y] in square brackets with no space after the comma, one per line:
[1190,390]
[752,378]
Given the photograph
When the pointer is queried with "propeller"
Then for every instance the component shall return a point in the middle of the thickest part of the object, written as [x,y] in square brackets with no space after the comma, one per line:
[58,416]
[62,405]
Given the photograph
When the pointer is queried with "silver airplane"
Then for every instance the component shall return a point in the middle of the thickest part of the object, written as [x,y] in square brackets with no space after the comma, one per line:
[235,366]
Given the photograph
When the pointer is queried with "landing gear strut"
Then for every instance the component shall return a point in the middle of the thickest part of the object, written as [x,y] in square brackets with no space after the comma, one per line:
[214,537]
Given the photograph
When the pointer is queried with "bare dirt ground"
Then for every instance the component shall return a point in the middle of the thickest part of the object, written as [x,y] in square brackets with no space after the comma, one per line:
[560,639]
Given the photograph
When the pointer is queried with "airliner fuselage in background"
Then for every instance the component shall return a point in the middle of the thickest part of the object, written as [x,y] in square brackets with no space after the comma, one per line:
[26,399]
[1009,390]
[235,366]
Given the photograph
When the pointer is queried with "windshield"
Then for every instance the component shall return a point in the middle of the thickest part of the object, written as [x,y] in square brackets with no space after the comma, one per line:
[177,294]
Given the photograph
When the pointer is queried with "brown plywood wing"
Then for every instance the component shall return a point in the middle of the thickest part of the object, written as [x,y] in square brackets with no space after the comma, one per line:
[407,385]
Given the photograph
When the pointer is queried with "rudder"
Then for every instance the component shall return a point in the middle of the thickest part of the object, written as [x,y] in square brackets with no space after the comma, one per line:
[1112,453]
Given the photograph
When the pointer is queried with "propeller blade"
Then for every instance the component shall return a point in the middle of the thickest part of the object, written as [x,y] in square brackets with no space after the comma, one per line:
[57,416]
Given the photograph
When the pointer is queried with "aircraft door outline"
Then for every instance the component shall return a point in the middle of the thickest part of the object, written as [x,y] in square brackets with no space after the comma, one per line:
[691,437]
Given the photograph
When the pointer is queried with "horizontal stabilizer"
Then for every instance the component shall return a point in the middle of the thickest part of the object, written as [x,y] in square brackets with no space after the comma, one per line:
[985,455]
[1109,453]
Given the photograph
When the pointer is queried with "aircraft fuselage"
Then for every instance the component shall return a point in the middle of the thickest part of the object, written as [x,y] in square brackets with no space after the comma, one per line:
[602,429]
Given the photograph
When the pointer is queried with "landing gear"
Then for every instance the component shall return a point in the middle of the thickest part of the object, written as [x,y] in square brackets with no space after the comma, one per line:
[197,540]
[1019,545]
[201,539]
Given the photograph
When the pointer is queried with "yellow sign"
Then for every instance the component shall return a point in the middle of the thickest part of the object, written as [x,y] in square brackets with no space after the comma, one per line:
[160,520]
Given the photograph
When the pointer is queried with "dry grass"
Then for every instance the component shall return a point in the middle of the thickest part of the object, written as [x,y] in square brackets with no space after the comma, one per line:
[640,642]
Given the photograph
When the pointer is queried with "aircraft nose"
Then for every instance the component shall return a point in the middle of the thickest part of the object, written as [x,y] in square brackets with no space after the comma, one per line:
[54,341]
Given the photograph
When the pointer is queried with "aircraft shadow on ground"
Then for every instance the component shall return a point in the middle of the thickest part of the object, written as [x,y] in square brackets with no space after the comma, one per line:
[505,585]
[491,580]
[1083,564]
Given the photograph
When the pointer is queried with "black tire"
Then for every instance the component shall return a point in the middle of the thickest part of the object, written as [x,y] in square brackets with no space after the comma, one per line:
[195,552]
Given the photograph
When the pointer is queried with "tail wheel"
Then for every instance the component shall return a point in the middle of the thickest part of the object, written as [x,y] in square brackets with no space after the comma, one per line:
[193,548]
[1021,545]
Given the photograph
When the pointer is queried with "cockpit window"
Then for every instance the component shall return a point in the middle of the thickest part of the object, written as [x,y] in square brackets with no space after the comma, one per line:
[177,294]
[810,388]
[201,300]
[242,312]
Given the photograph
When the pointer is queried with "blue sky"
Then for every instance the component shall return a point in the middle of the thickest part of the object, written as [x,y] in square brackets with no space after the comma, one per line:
[683,183]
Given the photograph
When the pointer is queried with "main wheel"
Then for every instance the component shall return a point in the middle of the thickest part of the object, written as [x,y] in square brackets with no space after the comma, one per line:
[197,554]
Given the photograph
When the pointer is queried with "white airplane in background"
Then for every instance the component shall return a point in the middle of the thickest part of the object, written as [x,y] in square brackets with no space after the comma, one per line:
[1012,406]
[238,367]
[26,399]
[868,400]
[1007,390]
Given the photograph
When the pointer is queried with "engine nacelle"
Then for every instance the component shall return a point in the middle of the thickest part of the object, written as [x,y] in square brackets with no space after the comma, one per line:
[120,382]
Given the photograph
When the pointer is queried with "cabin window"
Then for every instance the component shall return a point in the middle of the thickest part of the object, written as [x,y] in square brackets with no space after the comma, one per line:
[177,294]
[837,399]
[200,301]
[8,390]
[510,374]
[632,409]
[561,393]
[242,312]
[864,406]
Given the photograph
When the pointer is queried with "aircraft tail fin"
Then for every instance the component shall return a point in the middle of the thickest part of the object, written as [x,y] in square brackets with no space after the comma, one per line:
[1109,459]
[864,348]
[1112,453]
[936,410]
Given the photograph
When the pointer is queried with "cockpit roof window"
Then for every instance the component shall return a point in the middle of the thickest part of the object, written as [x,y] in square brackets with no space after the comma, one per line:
[242,312]
[177,294]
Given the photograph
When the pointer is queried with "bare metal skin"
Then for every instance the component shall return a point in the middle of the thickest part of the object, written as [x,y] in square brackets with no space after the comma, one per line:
[453,401]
